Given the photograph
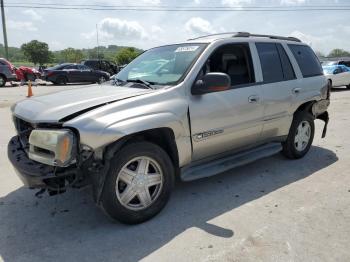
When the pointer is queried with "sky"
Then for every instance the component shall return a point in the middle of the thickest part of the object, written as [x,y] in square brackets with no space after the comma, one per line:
[323,30]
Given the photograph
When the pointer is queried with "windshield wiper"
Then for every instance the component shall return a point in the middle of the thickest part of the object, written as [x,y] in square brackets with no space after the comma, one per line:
[143,82]
[117,81]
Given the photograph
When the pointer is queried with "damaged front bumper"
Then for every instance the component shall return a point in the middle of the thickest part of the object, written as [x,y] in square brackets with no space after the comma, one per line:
[37,175]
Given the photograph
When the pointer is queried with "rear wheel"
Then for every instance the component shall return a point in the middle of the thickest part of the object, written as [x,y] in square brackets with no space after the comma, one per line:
[330,84]
[2,81]
[300,137]
[61,80]
[138,183]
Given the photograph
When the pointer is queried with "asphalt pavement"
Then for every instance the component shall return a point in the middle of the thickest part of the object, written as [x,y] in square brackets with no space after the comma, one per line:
[272,210]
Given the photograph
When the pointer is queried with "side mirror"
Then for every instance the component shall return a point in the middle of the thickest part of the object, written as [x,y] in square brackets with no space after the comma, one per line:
[211,82]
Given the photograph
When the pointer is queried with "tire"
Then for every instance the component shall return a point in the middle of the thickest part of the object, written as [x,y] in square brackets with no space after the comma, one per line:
[330,84]
[2,81]
[114,200]
[61,80]
[101,79]
[348,86]
[297,147]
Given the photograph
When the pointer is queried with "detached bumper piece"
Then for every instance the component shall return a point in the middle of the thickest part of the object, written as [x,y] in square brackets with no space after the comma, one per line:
[319,110]
[36,175]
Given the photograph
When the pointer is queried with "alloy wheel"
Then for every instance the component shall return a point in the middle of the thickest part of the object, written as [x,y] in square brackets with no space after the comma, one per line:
[302,136]
[139,183]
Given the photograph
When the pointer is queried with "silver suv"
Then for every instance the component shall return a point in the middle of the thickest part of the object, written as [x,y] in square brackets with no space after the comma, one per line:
[188,111]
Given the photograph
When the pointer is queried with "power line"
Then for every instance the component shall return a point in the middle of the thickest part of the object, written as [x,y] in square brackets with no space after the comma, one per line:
[29,4]
[178,9]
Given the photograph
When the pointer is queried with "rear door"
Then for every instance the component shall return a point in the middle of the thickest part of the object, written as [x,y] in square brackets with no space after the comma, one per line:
[87,74]
[278,88]
[72,73]
[230,119]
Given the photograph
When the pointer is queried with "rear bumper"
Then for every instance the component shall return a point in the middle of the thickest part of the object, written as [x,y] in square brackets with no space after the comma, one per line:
[34,174]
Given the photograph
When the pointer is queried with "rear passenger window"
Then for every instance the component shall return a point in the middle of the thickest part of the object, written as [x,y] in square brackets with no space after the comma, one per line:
[287,68]
[270,62]
[307,60]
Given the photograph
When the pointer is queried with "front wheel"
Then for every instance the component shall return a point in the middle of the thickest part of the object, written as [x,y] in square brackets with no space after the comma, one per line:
[102,79]
[300,137]
[138,183]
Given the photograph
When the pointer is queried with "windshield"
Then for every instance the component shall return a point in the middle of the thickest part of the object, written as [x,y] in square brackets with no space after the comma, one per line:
[164,65]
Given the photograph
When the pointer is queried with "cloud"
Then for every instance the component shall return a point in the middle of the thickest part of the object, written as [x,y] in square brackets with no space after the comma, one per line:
[236,3]
[33,15]
[306,38]
[126,29]
[21,25]
[197,26]
[156,29]
[293,2]
[115,28]
[152,2]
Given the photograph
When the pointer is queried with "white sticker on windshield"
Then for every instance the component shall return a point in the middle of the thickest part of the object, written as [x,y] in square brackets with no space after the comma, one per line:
[190,48]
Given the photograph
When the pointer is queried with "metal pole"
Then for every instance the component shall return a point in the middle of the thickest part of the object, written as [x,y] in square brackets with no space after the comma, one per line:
[98,49]
[4,29]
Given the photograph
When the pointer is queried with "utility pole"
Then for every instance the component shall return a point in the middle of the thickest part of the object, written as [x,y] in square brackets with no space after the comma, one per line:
[98,44]
[4,29]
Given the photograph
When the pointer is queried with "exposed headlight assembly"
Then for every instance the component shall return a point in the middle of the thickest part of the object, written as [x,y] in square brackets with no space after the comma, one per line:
[52,147]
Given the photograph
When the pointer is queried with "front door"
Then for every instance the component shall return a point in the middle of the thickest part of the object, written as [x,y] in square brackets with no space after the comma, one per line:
[230,119]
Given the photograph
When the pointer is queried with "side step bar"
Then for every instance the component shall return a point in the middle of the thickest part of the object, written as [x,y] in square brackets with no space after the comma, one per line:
[223,164]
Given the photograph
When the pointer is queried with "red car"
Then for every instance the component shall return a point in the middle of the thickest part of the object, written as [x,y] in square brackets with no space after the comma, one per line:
[25,73]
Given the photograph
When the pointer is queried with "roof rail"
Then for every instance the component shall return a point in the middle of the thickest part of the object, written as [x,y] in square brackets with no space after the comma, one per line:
[203,36]
[246,34]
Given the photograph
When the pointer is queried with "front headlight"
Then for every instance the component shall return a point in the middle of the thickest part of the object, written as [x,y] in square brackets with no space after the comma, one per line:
[52,147]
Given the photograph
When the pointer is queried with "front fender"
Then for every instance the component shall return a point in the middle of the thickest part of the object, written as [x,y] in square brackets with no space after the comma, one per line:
[179,126]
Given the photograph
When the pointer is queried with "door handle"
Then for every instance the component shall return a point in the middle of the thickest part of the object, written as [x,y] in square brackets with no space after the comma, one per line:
[253,99]
[296,90]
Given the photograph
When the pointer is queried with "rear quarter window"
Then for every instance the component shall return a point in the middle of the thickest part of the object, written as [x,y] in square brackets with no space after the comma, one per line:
[307,60]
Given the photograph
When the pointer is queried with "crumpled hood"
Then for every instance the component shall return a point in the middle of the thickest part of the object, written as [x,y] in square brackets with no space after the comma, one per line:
[55,106]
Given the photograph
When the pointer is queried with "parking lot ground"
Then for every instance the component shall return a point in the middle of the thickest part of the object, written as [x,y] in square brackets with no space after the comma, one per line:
[272,210]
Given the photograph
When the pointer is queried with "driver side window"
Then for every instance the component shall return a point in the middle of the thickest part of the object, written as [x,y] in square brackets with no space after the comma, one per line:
[235,61]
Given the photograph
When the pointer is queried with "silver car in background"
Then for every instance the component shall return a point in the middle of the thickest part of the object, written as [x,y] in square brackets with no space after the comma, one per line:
[337,75]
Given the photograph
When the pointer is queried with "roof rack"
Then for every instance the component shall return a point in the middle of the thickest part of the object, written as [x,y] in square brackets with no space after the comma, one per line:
[246,34]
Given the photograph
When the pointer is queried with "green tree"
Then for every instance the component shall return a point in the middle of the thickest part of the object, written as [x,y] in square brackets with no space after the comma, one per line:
[126,55]
[338,53]
[72,55]
[36,52]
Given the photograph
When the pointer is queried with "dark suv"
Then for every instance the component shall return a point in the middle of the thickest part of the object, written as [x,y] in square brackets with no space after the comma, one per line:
[102,65]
